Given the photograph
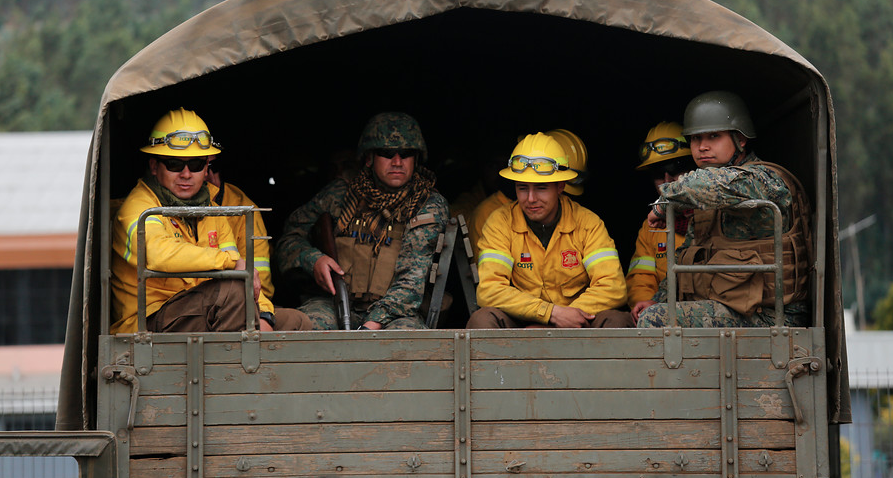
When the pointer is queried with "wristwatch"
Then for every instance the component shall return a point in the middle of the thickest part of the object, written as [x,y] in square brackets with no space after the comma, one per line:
[269,317]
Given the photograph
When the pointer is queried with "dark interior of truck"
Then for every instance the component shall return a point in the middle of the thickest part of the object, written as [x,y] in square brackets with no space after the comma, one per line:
[475,80]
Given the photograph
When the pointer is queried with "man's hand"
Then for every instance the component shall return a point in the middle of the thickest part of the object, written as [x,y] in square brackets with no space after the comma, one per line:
[655,221]
[372,325]
[569,317]
[640,306]
[240,266]
[322,273]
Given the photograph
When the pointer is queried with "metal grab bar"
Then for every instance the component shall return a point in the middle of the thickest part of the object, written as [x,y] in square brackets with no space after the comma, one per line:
[247,275]
[777,266]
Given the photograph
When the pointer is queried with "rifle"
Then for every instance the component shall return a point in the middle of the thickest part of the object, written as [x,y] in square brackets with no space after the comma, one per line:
[324,231]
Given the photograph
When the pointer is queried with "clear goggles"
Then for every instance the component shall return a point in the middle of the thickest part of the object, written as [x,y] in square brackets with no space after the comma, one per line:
[661,146]
[183,139]
[539,164]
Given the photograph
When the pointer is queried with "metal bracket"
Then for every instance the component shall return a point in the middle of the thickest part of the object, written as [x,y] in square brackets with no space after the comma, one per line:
[414,462]
[250,350]
[515,466]
[780,346]
[195,405]
[462,397]
[673,347]
[765,460]
[142,352]
[681,460]
[126,375]
[797,368]
[467,269]
[728,395]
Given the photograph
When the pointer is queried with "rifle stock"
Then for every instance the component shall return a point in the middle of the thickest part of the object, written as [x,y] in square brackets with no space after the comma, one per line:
[325,232]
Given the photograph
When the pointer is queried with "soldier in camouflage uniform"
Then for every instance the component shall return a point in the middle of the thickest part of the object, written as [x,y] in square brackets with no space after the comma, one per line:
[718,126]
[387,220]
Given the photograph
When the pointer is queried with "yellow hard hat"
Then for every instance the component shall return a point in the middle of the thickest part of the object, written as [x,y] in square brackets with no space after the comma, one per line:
[664,141]
[538,158]
[181,133]
[576,158]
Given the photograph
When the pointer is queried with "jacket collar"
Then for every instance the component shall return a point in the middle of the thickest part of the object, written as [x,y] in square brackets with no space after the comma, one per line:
[565,224]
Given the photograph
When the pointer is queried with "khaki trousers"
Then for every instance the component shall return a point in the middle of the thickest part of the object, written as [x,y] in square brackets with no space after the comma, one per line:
[493,318]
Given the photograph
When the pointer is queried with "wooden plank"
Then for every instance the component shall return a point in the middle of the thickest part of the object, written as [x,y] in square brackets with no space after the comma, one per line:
[616,374]
[437,464]
[354,349]
[244,409]
[624,461]
[624,404]
[495,374]
[321,438]
[522,347]
[631,434]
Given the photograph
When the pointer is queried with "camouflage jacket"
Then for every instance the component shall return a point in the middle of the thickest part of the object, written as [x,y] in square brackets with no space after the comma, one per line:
[713,188]
[404,296]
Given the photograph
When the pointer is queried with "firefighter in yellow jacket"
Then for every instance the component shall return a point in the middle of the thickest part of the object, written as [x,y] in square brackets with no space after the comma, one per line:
[665,155]
[179,146]
[230,195]
[545,260]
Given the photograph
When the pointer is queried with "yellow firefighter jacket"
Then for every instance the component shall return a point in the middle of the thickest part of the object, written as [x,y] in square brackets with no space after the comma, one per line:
[649,263]
[170,247]
[479,217]
[580,268]
[233,196]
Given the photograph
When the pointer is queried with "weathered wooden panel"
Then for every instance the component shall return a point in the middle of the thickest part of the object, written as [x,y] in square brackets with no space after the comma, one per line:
[625,461]
[244,409]
[350,349]
[632,435]
[624,404]
[309,377]
[617,374]
[751,344]
[322,438]
[438,464]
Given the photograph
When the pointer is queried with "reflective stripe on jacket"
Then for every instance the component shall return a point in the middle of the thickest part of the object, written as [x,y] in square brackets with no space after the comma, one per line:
[580,268]
[649,264]
[170,247]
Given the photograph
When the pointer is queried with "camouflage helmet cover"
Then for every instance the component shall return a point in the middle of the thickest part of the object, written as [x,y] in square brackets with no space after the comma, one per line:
[392,130]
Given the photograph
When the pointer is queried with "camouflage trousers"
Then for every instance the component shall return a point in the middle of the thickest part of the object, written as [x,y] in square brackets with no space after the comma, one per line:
[321,311]
[710,313]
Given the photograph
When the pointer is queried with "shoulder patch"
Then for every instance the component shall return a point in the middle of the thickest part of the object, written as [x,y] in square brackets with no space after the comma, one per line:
[421,220]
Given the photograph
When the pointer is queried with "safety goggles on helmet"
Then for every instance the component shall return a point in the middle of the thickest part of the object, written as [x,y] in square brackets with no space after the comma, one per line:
[540,165]
[175,165]
[661,146]
[389,153]
[183,139]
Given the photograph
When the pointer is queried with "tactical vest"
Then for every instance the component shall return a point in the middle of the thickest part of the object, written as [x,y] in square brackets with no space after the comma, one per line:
[745,292]
[369,275]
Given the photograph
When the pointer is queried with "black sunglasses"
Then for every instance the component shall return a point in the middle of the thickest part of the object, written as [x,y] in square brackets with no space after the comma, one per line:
[390,153]
[672,167]
[176,165]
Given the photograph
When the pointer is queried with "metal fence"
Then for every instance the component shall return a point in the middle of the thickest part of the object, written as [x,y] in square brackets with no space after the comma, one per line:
[866,445]
[34,409]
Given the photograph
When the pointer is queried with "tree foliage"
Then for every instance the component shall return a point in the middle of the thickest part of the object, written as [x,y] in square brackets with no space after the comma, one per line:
[57,56]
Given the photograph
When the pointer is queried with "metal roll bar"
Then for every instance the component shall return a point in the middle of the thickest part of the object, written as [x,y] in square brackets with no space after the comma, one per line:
[673,268]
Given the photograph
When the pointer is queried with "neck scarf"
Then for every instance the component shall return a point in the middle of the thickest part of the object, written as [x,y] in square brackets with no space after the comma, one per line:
[378,208]
[167,199]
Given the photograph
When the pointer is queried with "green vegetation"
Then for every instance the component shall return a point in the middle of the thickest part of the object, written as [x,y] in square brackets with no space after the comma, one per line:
[57,55]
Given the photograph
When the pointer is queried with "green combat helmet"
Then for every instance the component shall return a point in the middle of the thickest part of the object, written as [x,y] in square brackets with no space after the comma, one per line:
[717,111]
[392,130]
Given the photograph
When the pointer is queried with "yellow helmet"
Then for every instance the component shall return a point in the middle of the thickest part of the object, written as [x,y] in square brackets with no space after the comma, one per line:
[538,158]
[181,133]
[576,158]
[664,141]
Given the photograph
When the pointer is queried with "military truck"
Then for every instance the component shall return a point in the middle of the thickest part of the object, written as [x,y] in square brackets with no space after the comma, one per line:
[283,84]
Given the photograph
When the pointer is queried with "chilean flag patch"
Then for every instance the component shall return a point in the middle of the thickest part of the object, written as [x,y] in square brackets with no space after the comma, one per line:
[661,247]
